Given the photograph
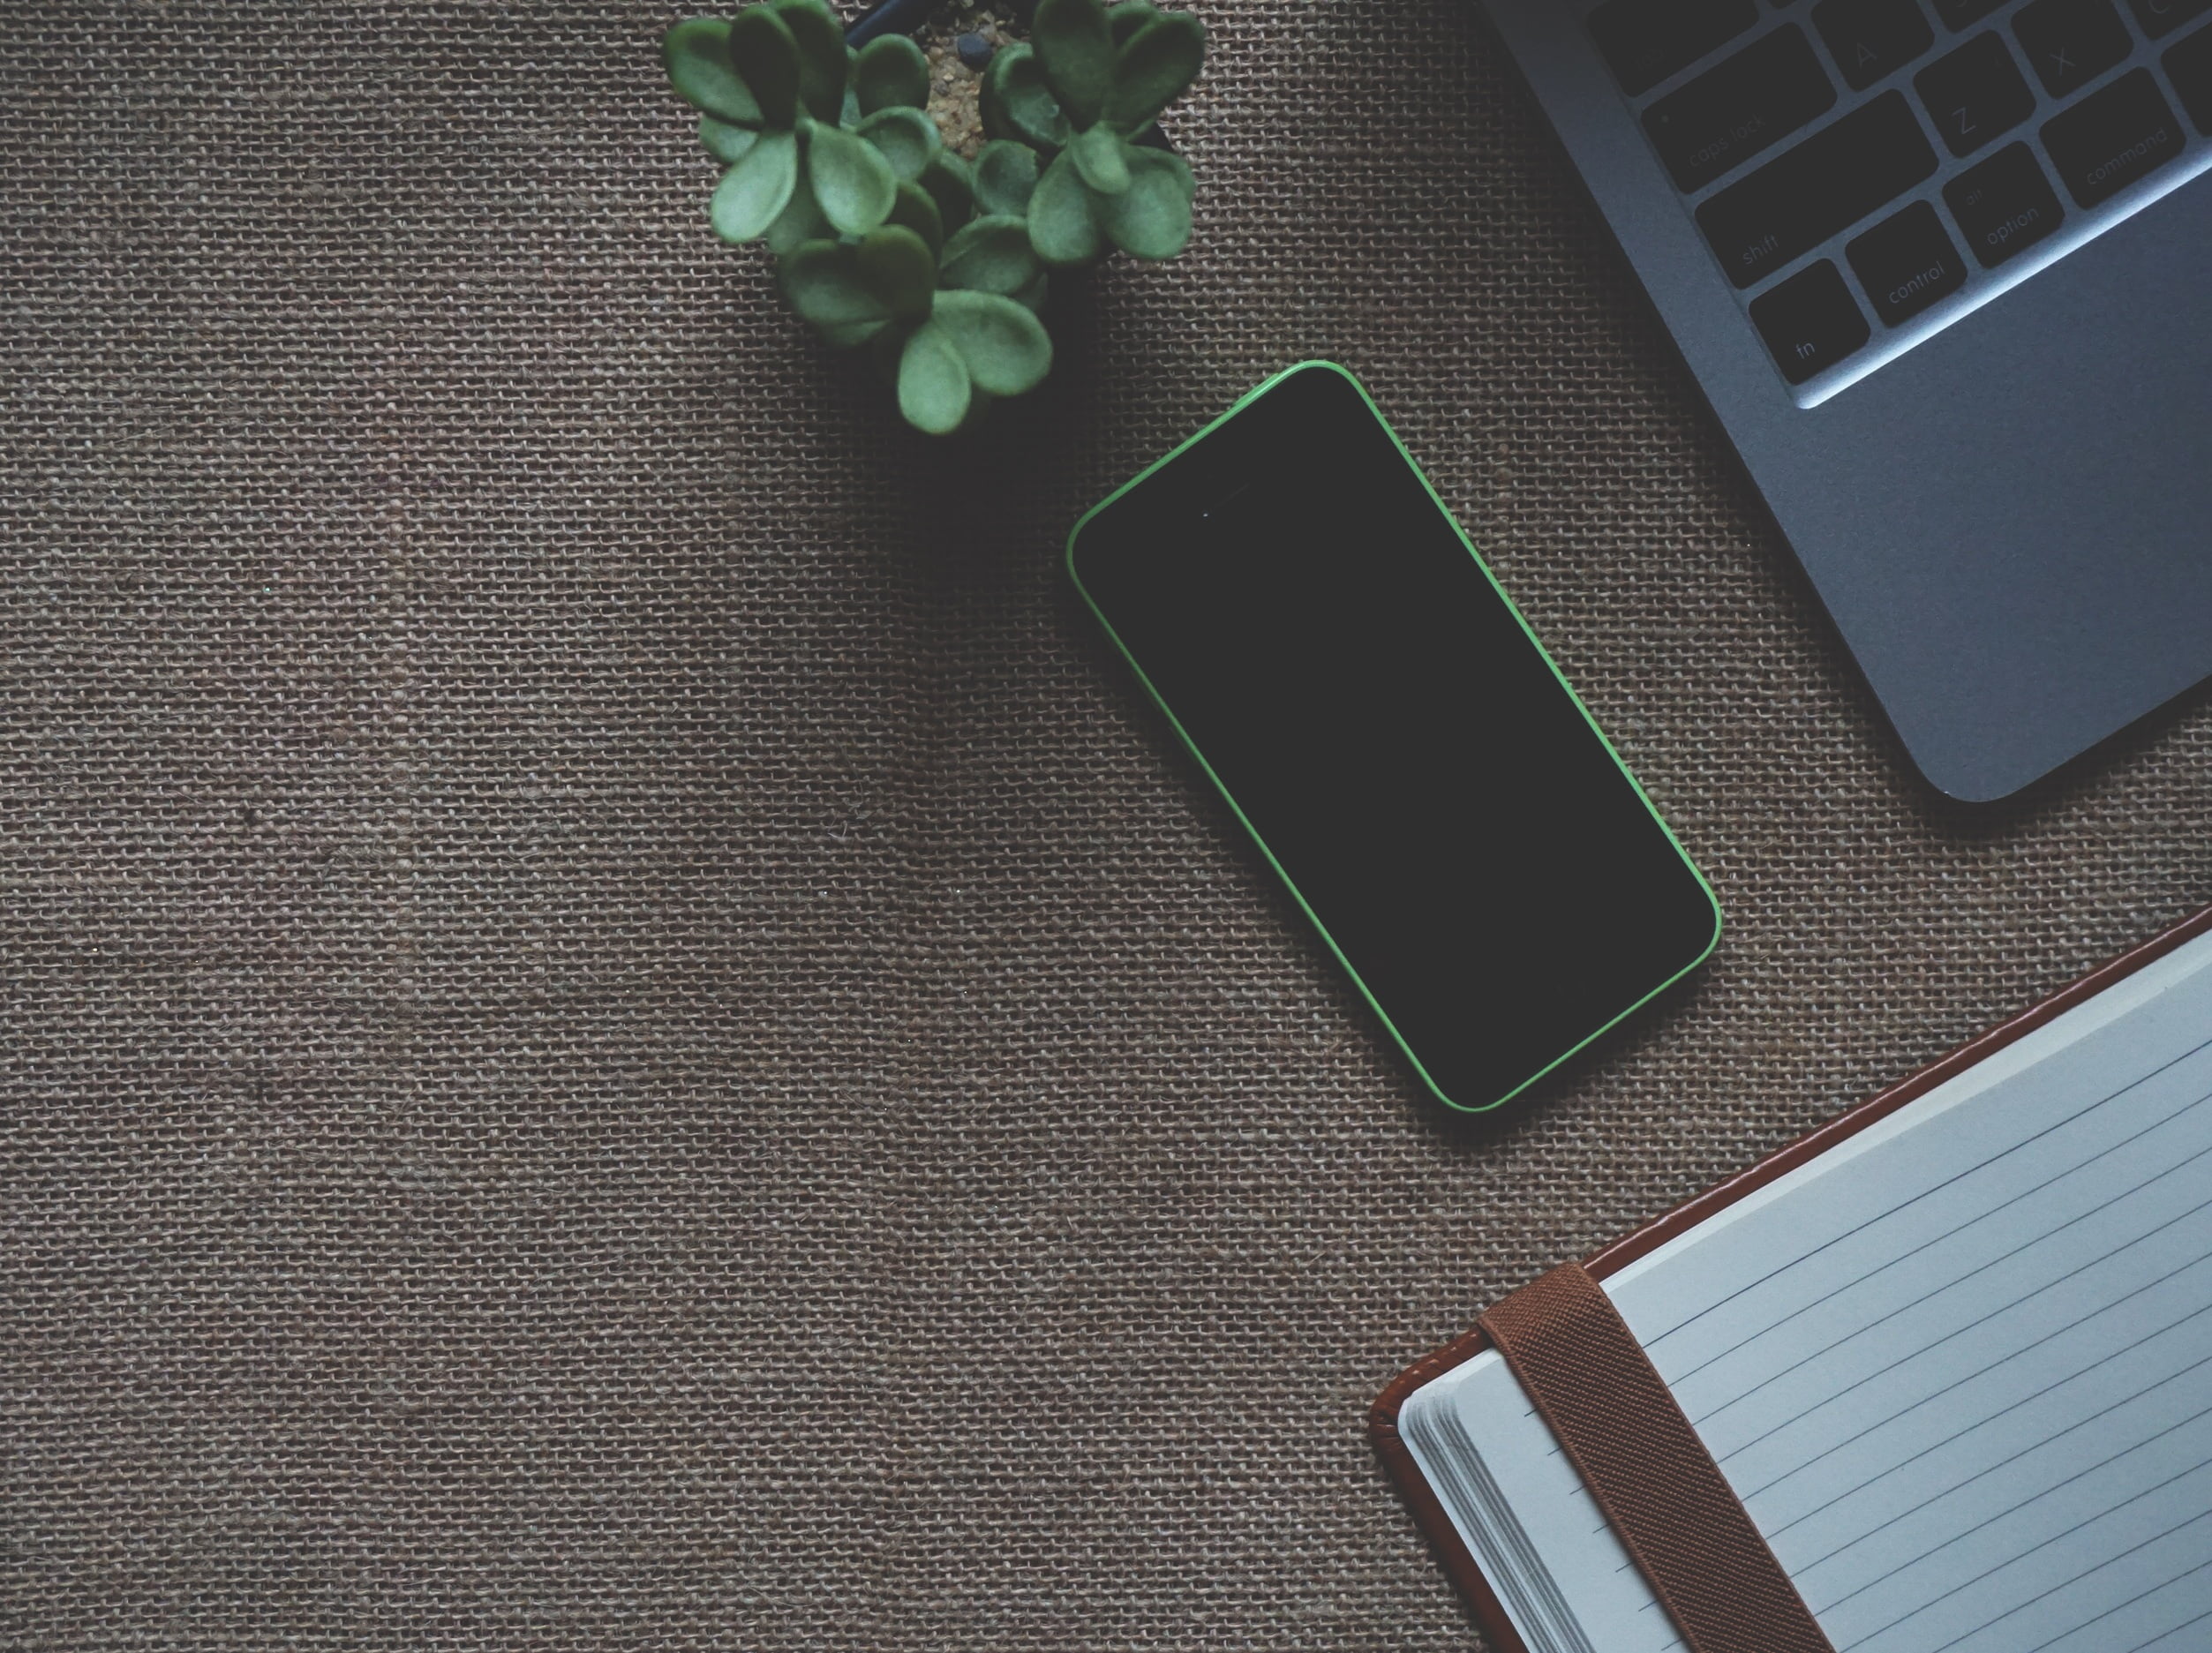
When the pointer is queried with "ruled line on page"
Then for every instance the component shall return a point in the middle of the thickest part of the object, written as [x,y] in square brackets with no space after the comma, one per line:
[2029,1349]
[2037,1497]
[1862,1327]
[2065,1584]
[2159,1636]
[1979,1217]
[1653,1341]
[1987,1469]
[2148,1593]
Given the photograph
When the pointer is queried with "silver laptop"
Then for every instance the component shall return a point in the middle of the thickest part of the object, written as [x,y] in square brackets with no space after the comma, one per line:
[1943,270]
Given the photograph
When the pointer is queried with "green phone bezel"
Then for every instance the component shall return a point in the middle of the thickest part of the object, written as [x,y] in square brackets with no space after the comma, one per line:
[1298,896]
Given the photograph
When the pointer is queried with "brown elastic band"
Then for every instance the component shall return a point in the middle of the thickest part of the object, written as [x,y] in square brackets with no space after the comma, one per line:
[1651,1474]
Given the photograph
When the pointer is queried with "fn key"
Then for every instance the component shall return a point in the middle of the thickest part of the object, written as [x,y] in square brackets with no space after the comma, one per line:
[1810,322]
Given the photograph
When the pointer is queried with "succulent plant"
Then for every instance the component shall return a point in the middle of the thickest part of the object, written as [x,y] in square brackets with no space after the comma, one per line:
[1091,81]
[952,332]
[890,241]
[817,138]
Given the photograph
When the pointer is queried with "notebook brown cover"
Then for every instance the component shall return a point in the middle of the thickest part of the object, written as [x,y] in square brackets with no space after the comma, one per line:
[1382,1419]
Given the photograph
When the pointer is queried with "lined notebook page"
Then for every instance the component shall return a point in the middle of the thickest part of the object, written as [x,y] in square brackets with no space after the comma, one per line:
[1958,1368]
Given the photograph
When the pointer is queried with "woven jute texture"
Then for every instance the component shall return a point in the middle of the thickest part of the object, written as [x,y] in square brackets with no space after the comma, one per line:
[621,1032]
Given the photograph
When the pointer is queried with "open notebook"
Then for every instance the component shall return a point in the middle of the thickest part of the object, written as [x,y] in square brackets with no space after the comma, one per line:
[1955,1360]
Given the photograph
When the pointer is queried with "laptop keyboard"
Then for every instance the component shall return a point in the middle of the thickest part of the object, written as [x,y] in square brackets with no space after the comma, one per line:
[1866,172]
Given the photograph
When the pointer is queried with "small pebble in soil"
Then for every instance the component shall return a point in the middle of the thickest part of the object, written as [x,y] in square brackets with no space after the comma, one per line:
[956,78]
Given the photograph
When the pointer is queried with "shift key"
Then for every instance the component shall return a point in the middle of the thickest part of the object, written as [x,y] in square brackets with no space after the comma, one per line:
[1825,185]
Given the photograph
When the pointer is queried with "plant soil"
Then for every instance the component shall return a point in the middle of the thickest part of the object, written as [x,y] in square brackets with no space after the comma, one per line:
[956,90]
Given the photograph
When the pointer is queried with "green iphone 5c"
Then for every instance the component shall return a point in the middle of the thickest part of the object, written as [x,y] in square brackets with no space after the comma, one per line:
[1296,598]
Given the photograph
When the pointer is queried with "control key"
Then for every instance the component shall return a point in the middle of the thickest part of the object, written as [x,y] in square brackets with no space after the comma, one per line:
[1907,263]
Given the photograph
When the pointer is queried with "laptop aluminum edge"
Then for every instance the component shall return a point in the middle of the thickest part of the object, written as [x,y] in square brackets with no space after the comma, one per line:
[2010,523]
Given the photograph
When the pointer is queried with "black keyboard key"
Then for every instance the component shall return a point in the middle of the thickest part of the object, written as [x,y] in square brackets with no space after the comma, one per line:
[1976,94]
[1810,322]
[1725,116]
[2113,137]
[1826,183]
[1956,14]
[2071,43]
[2161,18]
[1872,38]
[1907,263]
[2004,206]
[1646,41]
[2189,66]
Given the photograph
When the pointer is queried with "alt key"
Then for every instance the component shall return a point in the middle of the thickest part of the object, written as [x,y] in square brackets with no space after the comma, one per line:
[2004,206]
[1810,322]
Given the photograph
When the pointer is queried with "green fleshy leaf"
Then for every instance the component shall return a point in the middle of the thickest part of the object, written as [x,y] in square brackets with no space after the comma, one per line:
[1152,219]
[848,109]
[1032,297]
[1006,347]
[933,382]
[1062,226]
[899,270]
[824,282]
[885,349]
[992,255]
[697,53]
[1128,16]
[906,137]
[1005,177]
[821,42]
[1097,154]
[1176,164]
[801,220]
[846,336]
[952,184]
[756,189]
[764,54]
[1153,68]
[893,74]
[725,142]
[850,178]
[1016,103]
[915,210]
[1075,47]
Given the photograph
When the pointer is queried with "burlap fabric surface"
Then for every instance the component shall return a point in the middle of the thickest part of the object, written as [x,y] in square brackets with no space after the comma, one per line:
[620,1032]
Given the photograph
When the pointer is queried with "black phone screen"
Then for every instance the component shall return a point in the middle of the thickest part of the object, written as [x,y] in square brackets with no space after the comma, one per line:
[1374,709]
